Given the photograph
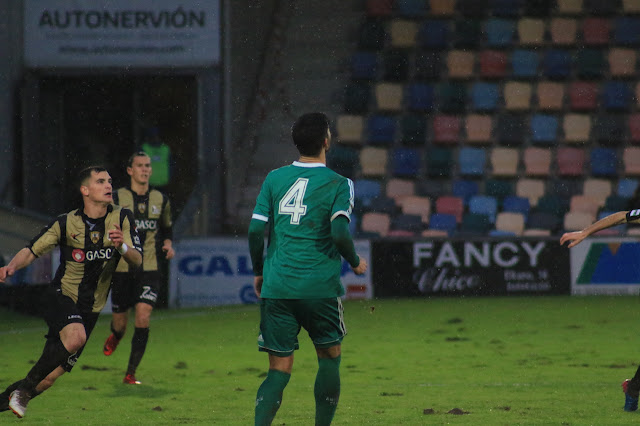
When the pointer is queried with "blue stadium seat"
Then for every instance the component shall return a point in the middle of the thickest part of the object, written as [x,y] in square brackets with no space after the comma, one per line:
[505,8]
[407,222]
[405,162]
[516,204]
[364,66]
[484,204]
[475,223]
[627,31]
[365,190]
[616,96]
[556,64]
[443,222]
[484,96]
[464,189]
[525,63]
[627,187]
[500,32]
[382,129]
[604,162]
[472,161]
[382,204]
[420,97]
[541,220]
[544,129]
[410,8]
[433,34]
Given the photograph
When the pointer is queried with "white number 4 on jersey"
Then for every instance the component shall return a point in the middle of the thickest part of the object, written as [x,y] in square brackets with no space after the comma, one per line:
[291,203]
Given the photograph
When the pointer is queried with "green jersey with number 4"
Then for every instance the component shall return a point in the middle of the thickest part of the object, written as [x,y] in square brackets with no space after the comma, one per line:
[299,202]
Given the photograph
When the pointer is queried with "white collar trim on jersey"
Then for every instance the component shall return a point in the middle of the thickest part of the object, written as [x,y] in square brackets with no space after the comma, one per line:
[309,165]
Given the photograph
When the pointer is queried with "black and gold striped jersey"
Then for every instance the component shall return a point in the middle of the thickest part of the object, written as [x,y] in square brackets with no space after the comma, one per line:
[87,256]
[152,215]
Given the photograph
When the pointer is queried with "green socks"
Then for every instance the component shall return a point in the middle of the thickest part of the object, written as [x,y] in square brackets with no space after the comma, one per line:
[327,389]
[270,396]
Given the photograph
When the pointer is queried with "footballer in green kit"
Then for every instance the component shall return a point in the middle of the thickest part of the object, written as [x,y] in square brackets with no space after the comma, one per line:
[307,208]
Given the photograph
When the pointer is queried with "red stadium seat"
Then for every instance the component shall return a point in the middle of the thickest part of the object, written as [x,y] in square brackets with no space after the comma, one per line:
[493,64]
[570,161]
[448,204]
[595,31]
[583,95]
[446,129]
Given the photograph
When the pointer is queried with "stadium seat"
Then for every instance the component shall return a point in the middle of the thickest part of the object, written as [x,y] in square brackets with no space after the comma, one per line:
[556,64]
[372,35]
[553,204]
[414,129]
[398,188]
[590,63]
[443,222]
[505,8]
[524,63]
[381,129]
[411,224]
[504,161]
[627,31]
[484,204]
[598,189]
[511,129]
[498,188]
[478,128]
[464,189]
[544,129]
[576,221]
[434,233]
[517,95]
[433,34]
[460,64]
[439,162]
[604,162]
[563,31]
[357,97]
[627,187]
[631,6]
[566,188]
[634,128]
[484,96]
[536,232]
[515,204]
[577,128]
[541,8]
[543,221]
[365,190]
[610,129]
[416,205]
[388,96]
[379,8]
[631,161]
[532,189]
[373,161]
[550,96]
[403,33]
[585,204]
[382,204]
[420,97]
[616,203]
[446,129]
[343,159]
[395,65]
[433,188]
[493,64]
[472,161]
[467,33]
[537,161]
[400,233]
[410,8]
[442,7]
[569,7]
[428,65]
[452,97]
[364,66]
[405,162]
[570,161]
[475,223]
[612,231]
[602,7]
[583,95]
[450,205]
[510,222]
[378,223]
[622,62]
[349,128]
[499,32]
[595,31]
[616,96]
[531,31]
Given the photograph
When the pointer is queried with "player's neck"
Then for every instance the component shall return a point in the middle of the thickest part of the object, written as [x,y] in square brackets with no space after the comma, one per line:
[139,188]
[94,210]
[322,158]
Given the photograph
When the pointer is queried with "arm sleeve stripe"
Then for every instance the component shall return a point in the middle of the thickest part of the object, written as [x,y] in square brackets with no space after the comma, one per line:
[260,217]
[343,213]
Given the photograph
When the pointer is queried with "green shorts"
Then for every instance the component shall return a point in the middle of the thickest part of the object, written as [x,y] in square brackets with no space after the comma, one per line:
[281,320]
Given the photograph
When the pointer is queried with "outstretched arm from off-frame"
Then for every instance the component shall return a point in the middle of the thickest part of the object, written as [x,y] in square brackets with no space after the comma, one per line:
[22,259]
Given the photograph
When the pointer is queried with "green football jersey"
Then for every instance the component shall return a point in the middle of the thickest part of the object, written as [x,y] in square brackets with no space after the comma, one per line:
[299,202]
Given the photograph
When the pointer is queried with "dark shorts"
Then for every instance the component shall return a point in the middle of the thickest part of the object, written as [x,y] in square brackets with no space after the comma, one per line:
[282,319]
[131,288]
[61,311]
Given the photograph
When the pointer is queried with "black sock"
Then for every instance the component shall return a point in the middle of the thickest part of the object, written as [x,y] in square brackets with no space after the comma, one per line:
[117,334]
[53,355]
[138,346]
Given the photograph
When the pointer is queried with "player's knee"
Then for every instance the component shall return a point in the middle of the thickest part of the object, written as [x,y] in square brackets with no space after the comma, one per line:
[75,340]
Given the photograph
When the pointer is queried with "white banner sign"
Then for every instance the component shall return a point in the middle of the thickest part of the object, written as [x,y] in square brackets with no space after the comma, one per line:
[217,271]
[122,33]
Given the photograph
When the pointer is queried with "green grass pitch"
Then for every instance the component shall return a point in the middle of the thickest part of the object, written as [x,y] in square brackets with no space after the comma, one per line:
[495,361]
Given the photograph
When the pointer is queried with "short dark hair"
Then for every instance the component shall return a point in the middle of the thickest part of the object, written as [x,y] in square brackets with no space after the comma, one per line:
[134,155]
[309,132]
[85,173]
